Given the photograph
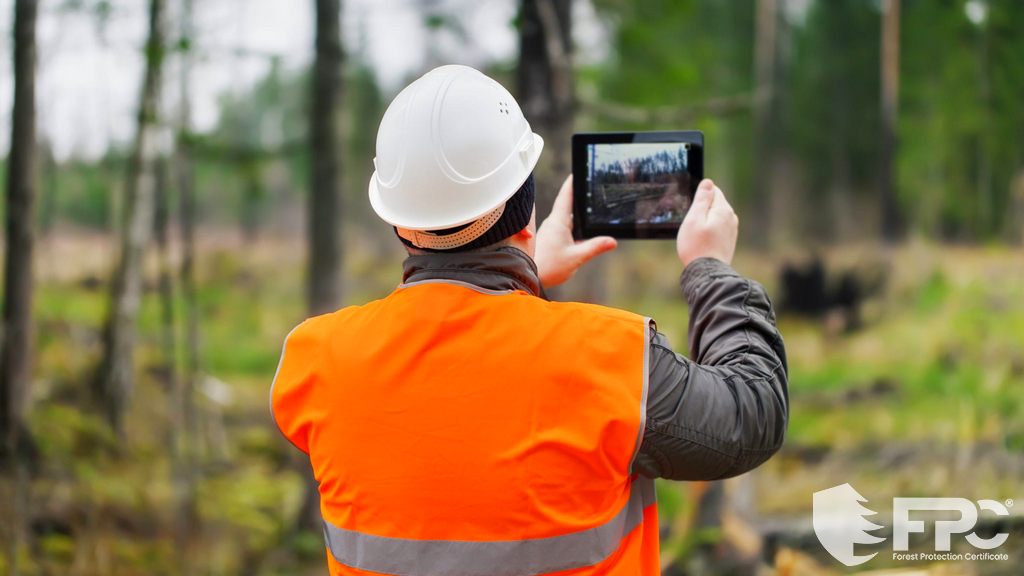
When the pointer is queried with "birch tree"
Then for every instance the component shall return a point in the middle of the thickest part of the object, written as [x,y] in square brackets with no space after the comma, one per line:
[115,378]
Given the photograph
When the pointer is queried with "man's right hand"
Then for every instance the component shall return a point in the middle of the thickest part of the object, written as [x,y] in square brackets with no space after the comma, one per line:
[557,255]
[710,227]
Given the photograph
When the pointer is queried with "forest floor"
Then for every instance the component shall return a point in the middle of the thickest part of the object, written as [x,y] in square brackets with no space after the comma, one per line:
[926,397]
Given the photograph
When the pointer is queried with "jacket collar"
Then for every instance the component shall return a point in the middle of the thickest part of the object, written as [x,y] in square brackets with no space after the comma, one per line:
[504,268]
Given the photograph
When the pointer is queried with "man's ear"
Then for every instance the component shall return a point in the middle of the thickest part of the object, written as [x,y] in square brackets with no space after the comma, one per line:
[525,234]
[530,230]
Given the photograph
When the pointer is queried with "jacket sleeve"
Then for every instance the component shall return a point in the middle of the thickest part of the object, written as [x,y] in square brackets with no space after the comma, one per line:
[294,384]
[725,411]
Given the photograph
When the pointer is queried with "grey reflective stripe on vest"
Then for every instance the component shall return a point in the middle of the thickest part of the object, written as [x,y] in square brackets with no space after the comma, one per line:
[643,392]
[404,557]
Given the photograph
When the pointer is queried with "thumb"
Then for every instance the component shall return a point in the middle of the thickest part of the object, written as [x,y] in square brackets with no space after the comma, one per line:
[703,198]
[593,247]
[561,210]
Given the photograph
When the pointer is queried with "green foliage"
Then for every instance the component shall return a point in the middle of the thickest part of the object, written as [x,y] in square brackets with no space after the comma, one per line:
[66,302]
[671,500]
[3,182]
[262,136]
[678,54]
[66,434]
[184,45]
[366,104]
[950,344]
[961,116]
[247,498]
[950,351]
[667,51]
[932,294]
[83,192]
[58,547]
[646,68]
[832,94]
[260,129]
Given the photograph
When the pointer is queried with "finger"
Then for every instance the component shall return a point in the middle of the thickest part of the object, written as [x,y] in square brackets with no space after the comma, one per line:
[721,203]
[562,208]
[704,197]
[588,249]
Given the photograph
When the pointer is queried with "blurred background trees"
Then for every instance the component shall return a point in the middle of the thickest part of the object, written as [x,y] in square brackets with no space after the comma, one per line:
[810,71]
[197,185]
[17,337]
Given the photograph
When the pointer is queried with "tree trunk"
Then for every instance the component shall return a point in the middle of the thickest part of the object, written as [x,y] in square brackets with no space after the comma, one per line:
[325,151]
[187,525]
[253,196]
[986,223]
[16,338]
[165,280]
[168,325]
[115,377]
[765,60]
[836,224]
[325,199]
[15,362]
[892,222]
[545,85]
[546,91]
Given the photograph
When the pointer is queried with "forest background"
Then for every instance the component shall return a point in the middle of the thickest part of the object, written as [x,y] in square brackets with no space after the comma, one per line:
[186,181]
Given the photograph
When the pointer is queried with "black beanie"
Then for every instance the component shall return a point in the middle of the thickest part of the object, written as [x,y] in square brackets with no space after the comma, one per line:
[517,213]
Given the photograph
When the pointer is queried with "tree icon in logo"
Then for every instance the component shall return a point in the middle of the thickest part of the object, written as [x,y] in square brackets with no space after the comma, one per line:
[839,522]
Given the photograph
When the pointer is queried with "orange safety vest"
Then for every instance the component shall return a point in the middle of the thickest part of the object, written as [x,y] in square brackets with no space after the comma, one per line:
[458,430]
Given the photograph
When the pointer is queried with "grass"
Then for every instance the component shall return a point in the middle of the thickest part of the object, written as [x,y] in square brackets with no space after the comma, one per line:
[948,423]
[929,389]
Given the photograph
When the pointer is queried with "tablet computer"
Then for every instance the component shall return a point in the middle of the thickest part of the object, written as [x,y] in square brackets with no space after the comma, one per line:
[634,184]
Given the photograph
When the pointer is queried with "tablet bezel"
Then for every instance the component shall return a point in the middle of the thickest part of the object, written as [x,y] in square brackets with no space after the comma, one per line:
[584,229]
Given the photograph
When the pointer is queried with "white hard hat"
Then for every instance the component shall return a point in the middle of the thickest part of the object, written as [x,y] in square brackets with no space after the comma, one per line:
[452,147]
